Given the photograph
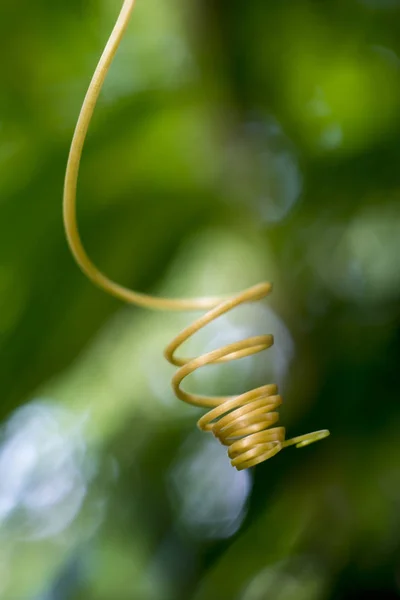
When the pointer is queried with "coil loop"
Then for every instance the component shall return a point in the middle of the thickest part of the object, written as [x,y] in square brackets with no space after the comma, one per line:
[243,423]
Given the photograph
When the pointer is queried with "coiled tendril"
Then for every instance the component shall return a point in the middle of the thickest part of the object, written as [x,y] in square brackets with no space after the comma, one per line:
[243,423]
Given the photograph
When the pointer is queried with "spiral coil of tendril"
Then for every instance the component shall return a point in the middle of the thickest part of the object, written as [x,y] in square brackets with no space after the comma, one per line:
[243,423]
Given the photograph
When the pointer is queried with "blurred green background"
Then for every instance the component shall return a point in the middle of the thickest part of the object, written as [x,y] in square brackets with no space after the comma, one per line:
[235,142]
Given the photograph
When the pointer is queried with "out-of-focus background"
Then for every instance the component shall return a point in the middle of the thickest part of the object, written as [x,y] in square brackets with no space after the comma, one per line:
[235,142]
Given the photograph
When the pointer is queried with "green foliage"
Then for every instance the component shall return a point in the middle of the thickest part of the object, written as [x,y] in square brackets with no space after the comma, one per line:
[232,144]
